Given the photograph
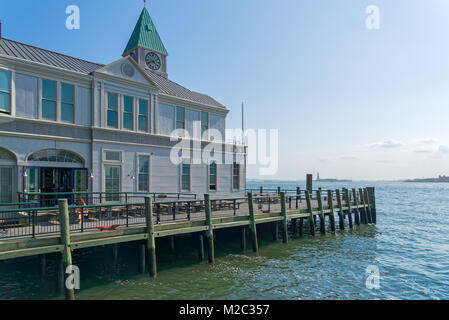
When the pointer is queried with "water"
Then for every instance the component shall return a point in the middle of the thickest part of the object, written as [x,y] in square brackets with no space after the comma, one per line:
[408,245]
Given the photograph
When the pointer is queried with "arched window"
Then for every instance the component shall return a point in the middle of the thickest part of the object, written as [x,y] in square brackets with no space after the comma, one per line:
[53,155]
[6,155]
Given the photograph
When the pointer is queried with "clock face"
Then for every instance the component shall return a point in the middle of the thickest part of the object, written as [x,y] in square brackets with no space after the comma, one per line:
[153,61]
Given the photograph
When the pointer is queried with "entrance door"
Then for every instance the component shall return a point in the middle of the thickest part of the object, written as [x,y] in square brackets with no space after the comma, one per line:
[6,185]
[112,183]
[80,184]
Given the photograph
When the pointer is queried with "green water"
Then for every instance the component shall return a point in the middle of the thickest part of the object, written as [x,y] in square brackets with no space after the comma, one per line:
[408,246]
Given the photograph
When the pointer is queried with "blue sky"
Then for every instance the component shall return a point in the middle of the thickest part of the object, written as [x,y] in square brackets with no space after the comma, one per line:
[348,102]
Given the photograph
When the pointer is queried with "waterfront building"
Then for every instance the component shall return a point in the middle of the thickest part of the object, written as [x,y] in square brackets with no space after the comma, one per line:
[72,125]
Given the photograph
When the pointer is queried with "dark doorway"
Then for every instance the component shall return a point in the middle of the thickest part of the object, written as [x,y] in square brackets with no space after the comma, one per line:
[55,180]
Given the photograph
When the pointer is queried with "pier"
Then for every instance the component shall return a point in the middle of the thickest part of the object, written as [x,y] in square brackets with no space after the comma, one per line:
[33,230]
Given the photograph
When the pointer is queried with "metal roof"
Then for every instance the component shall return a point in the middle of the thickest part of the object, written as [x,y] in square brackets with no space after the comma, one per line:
[145,35]
[30,53]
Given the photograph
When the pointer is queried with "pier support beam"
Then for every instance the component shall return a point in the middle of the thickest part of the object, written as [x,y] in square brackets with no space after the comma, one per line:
[341,216]
[275,231]
[356,211]
[65,239]
[310,210]
[363,217]
[252,224]
[309,183]
[330,203]
[301,227]
[210,231]
[368,207]
[114,249]
[320,207]
[348,204]
[141,255]
[172,243]
[201,247]
[60,279]
[372,200]
[284,220]
[43,266]
[243,239]
[151,241]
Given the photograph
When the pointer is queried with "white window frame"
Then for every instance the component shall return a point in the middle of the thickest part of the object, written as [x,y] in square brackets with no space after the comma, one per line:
[118,110]
[132,113]
[209,175]
[137,171]
[190,175]
[239,177]
[60,102]
[111,163]
[12,104]
[138,99]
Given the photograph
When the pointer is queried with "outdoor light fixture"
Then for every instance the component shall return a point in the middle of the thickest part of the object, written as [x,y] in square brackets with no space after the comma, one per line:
[91,174]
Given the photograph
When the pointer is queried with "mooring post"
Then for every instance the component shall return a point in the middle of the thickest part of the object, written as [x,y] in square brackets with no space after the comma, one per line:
[284,219]
[210,230]
[253,226]
[64,223]
[330,203]
[372,200]
[348,204]
[341,216]
[279,190]
[356,211]
[60,275]
[309,185]
[310,210]
[363,217]
[298,197]
[151,241]
[243,239]
[275,231]
[320,207]
[301,227]
[261,190]
[368,206]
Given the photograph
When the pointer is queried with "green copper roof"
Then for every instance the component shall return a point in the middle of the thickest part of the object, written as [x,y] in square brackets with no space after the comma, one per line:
[145,35]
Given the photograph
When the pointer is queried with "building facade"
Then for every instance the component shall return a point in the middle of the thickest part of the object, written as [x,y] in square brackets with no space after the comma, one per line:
[71,125]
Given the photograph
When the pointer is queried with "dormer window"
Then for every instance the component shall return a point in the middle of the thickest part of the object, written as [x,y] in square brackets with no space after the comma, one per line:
[5,92]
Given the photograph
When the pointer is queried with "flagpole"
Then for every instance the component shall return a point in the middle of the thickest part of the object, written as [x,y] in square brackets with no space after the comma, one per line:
[243,124]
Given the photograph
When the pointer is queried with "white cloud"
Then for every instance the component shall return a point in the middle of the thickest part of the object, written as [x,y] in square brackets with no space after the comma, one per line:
[428,141]
[422,151]
[387,144]
[443,149]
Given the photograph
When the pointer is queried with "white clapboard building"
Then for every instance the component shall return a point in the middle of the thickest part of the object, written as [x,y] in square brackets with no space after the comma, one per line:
[67,124]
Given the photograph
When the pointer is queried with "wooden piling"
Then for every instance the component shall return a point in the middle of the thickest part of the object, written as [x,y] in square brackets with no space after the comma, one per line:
[60,275]
[64,223]
[151,242]
[372,199]
[284,220]
[341,217]
[201,247]
[310,183]
[348,204]
[310,210]
[356,211]
[368,206]
[330,203]
[210,231]
[301,227]
[114,249]
[172,243]
[243,239]
[43,266]
[320,207]
[253,226]
[141,255]
[363,215]
[275,231]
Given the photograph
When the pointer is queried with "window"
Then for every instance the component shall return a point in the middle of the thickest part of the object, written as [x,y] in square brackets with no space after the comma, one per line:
[67,103]
[113,156]
[213,176]
[48,100]
[236,176]
[143,174]
[53,155]
[5,185]
[128,112]
[204,123]
[112,183]
[5,91]
[185,176]
[112,119]
[180,118]
[143,115]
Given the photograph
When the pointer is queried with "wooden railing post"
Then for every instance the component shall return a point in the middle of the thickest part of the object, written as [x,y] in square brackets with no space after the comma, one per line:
[320,207]
[310,210]
[356,211]
[151,242]
[348,204]
[372,200]
[252,224]
[284,219]
[341,216]
[64,224]
[210,230]
[309,183]
[330,203]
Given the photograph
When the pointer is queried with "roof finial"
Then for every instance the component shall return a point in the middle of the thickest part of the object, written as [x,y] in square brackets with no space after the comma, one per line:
[144,3]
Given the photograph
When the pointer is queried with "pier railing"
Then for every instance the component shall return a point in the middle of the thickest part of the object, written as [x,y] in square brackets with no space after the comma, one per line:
[27,219]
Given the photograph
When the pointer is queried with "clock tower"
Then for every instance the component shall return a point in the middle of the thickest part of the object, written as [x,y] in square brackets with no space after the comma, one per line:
[146,47]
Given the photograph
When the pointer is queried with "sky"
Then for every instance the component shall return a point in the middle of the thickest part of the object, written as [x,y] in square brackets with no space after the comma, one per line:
[348,102]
